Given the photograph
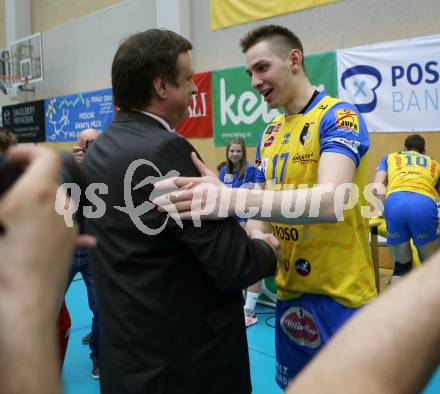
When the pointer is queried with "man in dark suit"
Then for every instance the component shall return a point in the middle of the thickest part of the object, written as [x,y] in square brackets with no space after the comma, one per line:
[169,297]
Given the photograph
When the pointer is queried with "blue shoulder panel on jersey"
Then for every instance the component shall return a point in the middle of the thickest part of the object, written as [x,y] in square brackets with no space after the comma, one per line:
[383,165]
[222,172]
[343,130]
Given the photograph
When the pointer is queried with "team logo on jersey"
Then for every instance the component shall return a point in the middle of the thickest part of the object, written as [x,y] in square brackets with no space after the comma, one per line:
[269,141]
[347,119]
[303,267]
[228,178]
[306,136]
[298,324]
[273,128]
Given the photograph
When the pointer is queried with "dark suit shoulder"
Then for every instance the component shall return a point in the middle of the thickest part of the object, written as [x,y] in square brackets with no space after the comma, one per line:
[175,154]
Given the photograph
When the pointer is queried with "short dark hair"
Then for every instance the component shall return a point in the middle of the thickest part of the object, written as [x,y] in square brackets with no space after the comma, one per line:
[281,38]
[415,142]
[141,58]
[7,139]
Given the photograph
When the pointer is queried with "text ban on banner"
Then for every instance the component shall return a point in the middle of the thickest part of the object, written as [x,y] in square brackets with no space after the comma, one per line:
[395,85]
[225,13]
[66,116]
[199,122]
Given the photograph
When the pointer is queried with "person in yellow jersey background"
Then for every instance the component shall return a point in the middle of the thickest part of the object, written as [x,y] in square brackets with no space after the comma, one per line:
[412,182]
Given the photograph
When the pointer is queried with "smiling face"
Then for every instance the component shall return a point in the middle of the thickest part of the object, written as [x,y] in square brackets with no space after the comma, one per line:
[235,153]
[273,76]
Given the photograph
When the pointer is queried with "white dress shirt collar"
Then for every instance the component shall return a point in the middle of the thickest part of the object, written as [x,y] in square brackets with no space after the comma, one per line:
[160,120]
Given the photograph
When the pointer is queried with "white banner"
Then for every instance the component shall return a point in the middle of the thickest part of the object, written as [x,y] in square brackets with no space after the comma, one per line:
[395,85]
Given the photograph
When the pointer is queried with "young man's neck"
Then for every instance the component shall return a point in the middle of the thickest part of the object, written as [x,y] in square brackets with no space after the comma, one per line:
[303,92]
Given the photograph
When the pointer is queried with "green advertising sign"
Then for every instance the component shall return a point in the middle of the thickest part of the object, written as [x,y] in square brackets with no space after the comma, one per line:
[240,111]
[321,70]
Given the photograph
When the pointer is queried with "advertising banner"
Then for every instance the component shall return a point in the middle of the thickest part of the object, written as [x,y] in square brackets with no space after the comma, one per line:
[240,111]
[321,70]
[199,122]
[26,120]
[225,13]
[68,115]
[395,85]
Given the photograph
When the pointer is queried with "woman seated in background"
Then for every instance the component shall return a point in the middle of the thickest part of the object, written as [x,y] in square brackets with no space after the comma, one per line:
[237,171]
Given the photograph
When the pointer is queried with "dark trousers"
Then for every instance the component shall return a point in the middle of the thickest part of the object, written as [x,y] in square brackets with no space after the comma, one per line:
[81,263]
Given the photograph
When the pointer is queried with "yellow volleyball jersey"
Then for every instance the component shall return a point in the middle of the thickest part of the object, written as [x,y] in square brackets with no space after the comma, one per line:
[411,172]
[327,259]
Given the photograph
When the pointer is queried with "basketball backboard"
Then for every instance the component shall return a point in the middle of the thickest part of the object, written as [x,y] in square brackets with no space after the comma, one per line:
[26,60]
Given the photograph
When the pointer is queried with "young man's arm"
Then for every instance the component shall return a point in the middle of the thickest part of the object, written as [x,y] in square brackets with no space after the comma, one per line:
[322,203]
[390,346]
[381,177]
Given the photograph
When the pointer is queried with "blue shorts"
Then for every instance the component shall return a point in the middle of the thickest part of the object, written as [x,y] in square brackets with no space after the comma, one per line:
[411,215]
[303,326]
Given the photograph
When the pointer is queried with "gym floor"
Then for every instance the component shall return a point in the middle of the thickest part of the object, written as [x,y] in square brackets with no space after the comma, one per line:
[77,366]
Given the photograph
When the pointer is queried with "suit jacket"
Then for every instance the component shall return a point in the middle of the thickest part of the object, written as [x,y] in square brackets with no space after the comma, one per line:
[170,304]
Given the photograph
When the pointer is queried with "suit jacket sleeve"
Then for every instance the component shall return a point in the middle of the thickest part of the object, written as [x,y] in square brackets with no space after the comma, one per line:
[222,248]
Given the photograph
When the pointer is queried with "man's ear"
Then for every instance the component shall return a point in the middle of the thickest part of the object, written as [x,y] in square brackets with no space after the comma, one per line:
[295,59]
[160,87]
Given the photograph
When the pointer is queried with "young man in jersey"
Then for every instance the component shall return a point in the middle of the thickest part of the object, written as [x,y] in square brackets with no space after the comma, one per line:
[325,271]
[413,183]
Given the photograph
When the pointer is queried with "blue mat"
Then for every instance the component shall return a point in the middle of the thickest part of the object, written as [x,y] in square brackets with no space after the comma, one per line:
[78,366]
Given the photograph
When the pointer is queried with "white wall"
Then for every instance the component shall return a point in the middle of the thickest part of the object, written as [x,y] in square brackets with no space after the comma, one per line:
[78,55]
[344,24]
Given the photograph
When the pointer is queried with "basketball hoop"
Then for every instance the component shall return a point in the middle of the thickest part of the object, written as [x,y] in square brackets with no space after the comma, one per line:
[14,80]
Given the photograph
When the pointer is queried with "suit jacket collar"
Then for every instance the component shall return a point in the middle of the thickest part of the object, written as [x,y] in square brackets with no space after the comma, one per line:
[123,116]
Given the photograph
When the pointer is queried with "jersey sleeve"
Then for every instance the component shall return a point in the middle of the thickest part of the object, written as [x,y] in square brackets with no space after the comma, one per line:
[251,173]
[259,170]
[221,174]
[383,165]
[343,130]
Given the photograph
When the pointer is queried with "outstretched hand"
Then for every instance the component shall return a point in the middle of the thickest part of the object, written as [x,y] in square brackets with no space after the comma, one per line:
[203,197]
